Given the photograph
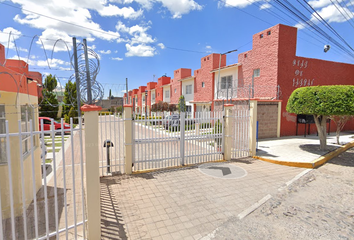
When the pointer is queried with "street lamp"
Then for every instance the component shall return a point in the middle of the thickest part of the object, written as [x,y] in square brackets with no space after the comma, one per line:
[227,88]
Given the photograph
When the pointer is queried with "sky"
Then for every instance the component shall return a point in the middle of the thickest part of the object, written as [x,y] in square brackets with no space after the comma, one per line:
[144,39]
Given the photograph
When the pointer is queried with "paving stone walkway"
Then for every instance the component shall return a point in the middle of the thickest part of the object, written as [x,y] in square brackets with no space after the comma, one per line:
[183,203]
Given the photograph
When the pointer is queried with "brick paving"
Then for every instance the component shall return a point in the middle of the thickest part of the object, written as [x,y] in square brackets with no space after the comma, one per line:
[183,203]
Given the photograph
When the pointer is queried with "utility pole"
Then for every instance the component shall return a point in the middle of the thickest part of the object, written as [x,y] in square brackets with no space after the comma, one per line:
[89,93]
[126,88]
[76,68]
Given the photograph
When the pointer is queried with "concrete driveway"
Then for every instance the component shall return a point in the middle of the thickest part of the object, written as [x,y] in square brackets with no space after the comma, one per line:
[186,203]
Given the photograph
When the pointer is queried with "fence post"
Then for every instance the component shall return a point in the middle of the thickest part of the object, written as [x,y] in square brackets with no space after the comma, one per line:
[182,131]
[228,130]
[279,119]
[128,138]
[253,127]
[92,171]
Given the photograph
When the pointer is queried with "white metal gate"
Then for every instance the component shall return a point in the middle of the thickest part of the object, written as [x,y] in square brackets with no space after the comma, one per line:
[174,140]
[240,131]
[42,187]
[111,144]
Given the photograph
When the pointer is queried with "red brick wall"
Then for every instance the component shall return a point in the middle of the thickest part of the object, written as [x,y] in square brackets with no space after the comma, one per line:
[159,90]
[208,63]
[275,55]
[150,86]
[267,117]
[175,84]
[265,56]
[2,54]
[140,100]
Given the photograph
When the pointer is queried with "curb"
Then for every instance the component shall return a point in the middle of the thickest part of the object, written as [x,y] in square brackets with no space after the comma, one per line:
[313,164]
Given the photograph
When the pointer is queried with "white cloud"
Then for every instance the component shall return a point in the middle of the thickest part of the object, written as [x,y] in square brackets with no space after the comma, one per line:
[239,3]
[140,50]
[139,39]
[178,7]
[208,47]
[63,45]
[319,3]
[4,37]
[75,12]
[117,58]
[161,45]
[331,14]
[126,12]
[265,6]
[105,52]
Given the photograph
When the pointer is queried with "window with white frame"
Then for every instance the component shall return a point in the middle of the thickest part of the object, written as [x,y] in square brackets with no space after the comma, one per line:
[203,84]
[27,114]
[189,89]
[167,94]
[256,72]
[153,97]
[143,98]
[2,139]
[226,82]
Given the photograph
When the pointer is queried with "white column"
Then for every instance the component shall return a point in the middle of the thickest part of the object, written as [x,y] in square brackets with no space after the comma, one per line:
[92,171]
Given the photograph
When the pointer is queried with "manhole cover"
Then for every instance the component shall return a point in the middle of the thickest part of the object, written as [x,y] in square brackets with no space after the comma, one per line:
[222,170]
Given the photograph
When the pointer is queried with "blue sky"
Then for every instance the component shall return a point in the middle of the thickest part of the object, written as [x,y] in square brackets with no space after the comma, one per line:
[140,39]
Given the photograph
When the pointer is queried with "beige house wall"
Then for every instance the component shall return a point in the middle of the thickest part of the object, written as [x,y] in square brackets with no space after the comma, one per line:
[13,102]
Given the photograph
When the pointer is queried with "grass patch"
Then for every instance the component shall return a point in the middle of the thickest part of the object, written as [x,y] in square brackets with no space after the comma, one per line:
[48,161]
[51,150]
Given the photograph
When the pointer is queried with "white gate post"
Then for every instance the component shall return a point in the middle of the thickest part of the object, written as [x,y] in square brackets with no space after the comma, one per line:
[182,132]
[228,130]
[92,171]
[128,138]
[253,127]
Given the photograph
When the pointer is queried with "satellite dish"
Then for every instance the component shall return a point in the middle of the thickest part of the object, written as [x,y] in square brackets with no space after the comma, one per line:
[326,48]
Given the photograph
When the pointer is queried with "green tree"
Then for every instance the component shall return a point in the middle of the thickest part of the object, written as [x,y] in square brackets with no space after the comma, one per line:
[340,122]
[181,104]
[70,98]
[49,104]
[322,102]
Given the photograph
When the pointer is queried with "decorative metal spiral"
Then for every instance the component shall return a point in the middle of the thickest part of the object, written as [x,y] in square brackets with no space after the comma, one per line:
[94,68]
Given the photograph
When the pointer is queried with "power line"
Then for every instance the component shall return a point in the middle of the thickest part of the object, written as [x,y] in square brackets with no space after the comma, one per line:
[91,29]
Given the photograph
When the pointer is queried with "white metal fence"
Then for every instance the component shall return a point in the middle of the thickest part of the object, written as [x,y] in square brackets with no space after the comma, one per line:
[167,141]
[43,196]
[111,144]
[240,132]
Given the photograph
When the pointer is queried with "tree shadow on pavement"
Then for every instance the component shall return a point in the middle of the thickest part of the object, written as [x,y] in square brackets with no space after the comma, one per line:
[344,159]
[315,148]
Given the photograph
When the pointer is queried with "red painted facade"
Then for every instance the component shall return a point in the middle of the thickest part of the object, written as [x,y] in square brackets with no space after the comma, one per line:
[140,100]
[17,78]
[208,63]
[150,86]
[272,67]
[176,86]
[159,87]
[274,53]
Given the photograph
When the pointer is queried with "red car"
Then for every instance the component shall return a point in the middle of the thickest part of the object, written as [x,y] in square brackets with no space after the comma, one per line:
[47,122]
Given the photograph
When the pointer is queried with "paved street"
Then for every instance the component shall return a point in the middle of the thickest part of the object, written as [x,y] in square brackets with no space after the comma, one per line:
[184,203]
[318,206]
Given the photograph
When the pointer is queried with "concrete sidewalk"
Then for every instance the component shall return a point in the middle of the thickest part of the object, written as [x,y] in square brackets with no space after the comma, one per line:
[302,151]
